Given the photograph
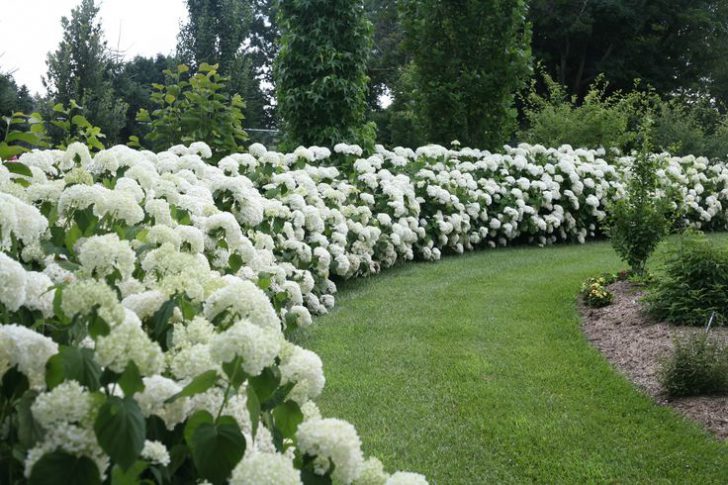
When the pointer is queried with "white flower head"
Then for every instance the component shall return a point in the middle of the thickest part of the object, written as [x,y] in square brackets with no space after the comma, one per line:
[265,469]
[335,440]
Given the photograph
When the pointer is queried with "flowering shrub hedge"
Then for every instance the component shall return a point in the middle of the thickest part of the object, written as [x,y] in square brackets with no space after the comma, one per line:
[145,299]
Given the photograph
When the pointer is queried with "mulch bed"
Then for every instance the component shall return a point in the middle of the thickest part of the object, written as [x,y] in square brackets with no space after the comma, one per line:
[637,345]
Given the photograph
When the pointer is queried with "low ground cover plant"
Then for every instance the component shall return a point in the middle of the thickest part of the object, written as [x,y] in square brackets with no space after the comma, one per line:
[594,292]
[698,366]
[692,284]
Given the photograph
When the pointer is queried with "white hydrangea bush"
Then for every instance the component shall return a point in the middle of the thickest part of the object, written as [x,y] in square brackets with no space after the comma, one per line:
[147,299]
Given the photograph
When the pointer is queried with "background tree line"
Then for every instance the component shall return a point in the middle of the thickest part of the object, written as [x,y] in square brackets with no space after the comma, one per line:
[410,72]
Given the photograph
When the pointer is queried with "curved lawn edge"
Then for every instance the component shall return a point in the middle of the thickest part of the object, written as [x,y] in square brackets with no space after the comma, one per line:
[475,369]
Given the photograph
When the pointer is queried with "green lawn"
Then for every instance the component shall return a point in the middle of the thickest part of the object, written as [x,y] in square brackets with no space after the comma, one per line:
[474,370]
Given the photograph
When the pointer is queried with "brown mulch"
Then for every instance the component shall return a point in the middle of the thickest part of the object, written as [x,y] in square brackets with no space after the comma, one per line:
[637,345]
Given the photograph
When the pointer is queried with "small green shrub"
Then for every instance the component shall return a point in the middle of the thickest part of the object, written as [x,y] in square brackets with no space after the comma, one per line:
[600,119]
[638,222]
[62,126]
[692,283]
[21,133]
[698,366]
[691,127]
[194,108]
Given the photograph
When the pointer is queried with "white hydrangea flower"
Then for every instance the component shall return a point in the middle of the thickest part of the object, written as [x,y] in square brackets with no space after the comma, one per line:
[371,473]
[145,304]
[72,439]
[236,407]
[310,411]
[101,255]
[156,453]
[157,389]
[242,299]
[82,296]
[116,204]
[38,294]
[28,350]
[191,361]
[201,148]
[305,369]
[335,440]
[69,402]
[14,281]
[128,341]
[257,150]
[76,152]
[300,315]
[256,346]
[265,469]
[345,149]
[172,271]
[21,220]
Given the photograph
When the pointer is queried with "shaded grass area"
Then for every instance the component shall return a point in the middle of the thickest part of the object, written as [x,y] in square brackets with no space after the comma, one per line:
[474,370]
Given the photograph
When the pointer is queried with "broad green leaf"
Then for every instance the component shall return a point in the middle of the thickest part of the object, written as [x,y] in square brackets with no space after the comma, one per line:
[234,371]
[197,419]
[266,383]
[235,262]
[130,476]
[217,448]
[59,468]
[189,310]
[97,326]
[86,221]
[160,320]
[80,121]
[130,380]
[73,364]
[253,405]
[264,282]
[120,430]
[198,385]
[57,308]
[8,151]
[71,237]
[287,417]
[29,430]
[278,397]
[26,137]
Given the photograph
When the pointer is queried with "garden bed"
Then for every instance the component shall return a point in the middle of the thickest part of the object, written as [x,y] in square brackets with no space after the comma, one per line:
[637,345]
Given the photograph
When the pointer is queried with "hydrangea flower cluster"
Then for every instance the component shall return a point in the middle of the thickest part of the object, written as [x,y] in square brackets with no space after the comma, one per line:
[146,298]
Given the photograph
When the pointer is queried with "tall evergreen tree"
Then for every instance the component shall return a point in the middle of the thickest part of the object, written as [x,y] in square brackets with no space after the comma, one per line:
[13,98]
[320,72]
[471,58]
[81,69]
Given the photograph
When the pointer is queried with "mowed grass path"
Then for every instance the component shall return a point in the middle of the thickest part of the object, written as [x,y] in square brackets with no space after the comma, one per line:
[474,370]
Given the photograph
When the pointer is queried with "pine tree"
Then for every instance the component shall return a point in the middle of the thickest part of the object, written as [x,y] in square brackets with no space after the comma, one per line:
[81,69]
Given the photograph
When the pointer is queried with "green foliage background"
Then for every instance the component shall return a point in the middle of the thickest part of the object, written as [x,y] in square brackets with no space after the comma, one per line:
[320,72]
